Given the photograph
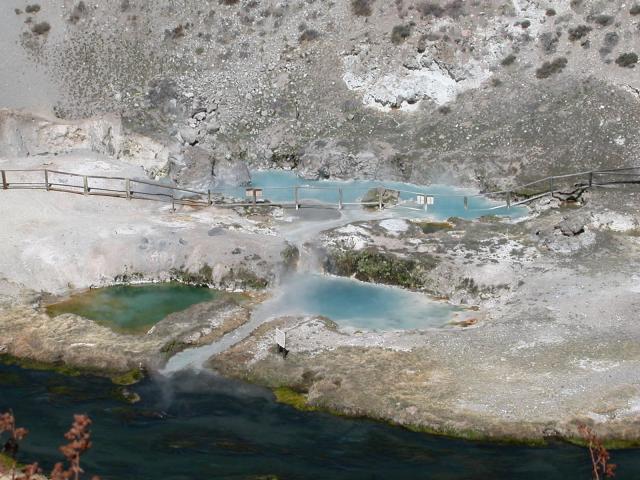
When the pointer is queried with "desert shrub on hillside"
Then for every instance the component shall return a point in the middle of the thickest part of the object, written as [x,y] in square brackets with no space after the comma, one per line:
[628,60]
[400,33]
[579,32]
[362,8]
[308,35]
[32,8]
[508,60]
[602,20]
[79,11]
[41,28]
[635,10]
[551,68]
[611,39]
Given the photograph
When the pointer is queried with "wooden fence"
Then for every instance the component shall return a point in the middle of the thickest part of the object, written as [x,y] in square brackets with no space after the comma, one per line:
[132,188]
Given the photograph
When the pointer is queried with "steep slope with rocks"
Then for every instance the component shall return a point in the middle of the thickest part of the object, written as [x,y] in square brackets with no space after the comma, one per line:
[458,91]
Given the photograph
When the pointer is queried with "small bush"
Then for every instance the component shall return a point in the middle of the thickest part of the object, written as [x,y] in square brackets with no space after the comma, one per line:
[602,20]
[18,11]
[400,33]
[508,60]
[78,12]
[228,2]
[578,32]
[611,39]
[551,68]
[550,12]
[361,8]
[635,10]
[431,9]
[199,51]
[525,24]
[628,60]
[32,8]
[308,35]
[41,28]
[549,41]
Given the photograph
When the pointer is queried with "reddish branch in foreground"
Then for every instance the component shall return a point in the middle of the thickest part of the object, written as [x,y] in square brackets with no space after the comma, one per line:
[601,468]
[78,436]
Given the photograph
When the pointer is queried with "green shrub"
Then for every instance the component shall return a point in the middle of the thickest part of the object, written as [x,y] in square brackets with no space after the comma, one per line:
[308,35]
[41,28]
[551,68]
[508,60]
[602,20]
[362,8]
[400,33]
[32,8]
[635,10]
[628,60]
[579,32]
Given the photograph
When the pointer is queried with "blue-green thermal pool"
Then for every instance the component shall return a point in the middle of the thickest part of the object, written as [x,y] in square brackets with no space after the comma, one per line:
[357,304]
[200,426]
[132,307]
[448,200]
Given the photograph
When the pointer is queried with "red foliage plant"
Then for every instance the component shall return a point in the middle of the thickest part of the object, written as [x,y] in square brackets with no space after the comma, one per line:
[79,437]
[601,468]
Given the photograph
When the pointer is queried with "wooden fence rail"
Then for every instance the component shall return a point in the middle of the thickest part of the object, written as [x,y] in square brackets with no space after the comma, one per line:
[133,188]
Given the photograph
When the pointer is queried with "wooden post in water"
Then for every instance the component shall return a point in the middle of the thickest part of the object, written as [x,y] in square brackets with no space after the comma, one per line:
[466,203]
[508,199]
[340,199]
[85,184]
[380,190]
[295,195]
[46,180]
[127,187]
[255,197]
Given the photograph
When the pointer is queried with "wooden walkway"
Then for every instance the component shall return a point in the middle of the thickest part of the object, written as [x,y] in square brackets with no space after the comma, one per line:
[133,188]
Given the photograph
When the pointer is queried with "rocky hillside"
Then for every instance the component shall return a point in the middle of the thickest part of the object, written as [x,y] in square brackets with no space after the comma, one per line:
[464,91]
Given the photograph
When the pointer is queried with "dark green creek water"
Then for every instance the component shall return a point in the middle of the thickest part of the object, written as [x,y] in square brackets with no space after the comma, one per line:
[199,426]
[132,308]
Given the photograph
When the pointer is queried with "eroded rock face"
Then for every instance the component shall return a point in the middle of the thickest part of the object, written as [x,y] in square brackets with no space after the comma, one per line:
[25,134]
[231,172]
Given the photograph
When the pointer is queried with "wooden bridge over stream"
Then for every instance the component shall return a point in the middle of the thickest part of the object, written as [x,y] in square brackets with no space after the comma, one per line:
[140,189]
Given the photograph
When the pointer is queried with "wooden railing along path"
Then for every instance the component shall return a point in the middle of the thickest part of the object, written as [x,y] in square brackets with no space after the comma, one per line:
[133,188]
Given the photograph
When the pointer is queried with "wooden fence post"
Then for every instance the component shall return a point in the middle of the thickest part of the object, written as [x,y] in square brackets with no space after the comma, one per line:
[508,199]
[380,190]
[173,201]
[255,197]
[551,185]
[295,197]
[127,187]
[46,180]
[5,185]
[590,179]
[209,197]
[85,184]
[466,203]
[340,198]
